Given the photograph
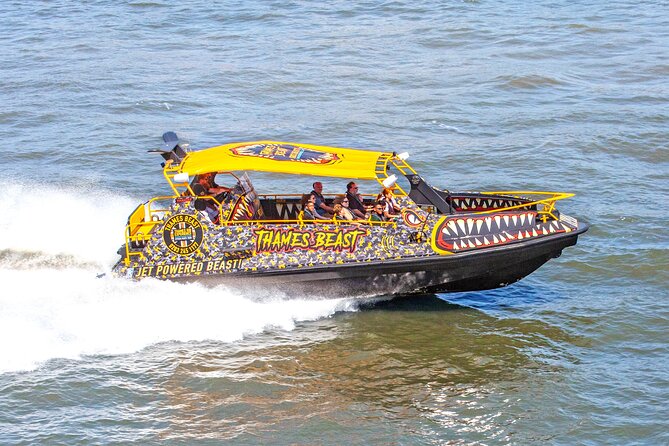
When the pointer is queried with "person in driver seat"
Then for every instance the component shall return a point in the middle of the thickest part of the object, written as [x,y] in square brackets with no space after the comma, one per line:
[206,180]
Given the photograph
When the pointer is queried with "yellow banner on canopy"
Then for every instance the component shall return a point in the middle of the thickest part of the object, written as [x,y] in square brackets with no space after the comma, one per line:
[285,157]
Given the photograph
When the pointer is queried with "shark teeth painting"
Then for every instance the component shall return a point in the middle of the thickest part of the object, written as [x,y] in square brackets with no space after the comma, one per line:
[457,234]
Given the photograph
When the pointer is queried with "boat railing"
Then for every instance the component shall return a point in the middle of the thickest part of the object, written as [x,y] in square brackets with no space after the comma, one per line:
[141,223]
[278,198]
[546,200]
[177,181]
[381,170]
[302,222]
[327,196]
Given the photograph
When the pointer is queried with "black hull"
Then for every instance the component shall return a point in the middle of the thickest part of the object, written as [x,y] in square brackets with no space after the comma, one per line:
[468,271]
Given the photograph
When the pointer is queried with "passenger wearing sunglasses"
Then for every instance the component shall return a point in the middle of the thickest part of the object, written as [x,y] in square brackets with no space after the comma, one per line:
[342,211]
[356,204]
[378,213]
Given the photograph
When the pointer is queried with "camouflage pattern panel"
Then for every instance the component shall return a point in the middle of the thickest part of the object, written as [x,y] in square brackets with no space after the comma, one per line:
[188,244]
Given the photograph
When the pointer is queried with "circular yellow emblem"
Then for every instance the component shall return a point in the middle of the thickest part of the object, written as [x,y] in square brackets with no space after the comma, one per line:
[182,234]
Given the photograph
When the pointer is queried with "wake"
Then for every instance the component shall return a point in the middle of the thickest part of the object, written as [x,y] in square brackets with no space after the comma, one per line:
[53,305]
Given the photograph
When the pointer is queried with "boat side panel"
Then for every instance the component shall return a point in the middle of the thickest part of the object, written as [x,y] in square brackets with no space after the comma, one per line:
[417,251]
[466,272]
[188,244]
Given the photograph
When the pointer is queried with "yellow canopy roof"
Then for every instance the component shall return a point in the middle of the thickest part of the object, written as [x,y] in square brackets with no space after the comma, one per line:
[284,157]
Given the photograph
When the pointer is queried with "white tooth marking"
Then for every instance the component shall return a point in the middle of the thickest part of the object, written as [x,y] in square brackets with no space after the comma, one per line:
[486,241]
[470,225]
[488,220]
[506,220]
[455,245]
[534,232]
[502,238]
[461,223]
[520,235]
[479,223]
[453,227]
[497,220]
[485,204]
[543,230]
[527,234]
[522,219]
[478,242]
[471,245]
[514,219]
[495,239]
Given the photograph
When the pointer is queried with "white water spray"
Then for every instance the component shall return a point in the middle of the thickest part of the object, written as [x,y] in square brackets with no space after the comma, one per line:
[52,305]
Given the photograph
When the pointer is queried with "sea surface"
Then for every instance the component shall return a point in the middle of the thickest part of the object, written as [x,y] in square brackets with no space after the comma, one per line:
[484,95]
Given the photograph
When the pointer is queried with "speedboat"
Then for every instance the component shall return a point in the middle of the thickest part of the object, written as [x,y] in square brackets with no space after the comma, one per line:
[438,241]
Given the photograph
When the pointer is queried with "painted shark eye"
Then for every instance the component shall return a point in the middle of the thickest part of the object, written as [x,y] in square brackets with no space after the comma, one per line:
[411,218]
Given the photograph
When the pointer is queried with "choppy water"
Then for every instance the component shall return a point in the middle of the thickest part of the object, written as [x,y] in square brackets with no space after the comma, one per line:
[484,95]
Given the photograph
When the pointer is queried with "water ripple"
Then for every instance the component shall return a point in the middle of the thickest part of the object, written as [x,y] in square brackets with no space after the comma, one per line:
[483,95]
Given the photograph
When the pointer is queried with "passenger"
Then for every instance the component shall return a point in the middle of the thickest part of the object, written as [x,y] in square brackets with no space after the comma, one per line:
[321,206]
[337,212]
[206,180]
[390,206]
[355,203]
[310,212]
[305,199]
[378,213]
[345,212]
